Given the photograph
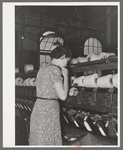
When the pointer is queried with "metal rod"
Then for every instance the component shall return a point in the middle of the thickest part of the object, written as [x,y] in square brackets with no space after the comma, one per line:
[77,13]
[62,17]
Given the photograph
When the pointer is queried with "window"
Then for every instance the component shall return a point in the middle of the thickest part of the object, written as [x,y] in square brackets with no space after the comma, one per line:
[47,41]
[92,45]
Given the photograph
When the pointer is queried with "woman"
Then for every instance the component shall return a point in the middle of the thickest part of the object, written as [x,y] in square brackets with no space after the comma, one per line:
[51,85]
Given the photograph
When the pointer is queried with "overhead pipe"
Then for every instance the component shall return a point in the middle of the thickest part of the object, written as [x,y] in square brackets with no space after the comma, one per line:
[62,17]
[77,13]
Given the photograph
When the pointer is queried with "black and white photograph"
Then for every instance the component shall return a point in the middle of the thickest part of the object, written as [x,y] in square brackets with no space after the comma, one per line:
[65,74]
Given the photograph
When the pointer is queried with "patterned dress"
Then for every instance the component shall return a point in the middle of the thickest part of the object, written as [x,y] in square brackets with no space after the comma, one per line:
[45,126]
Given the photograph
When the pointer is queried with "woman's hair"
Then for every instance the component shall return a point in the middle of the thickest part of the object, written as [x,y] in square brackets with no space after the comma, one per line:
[60,51]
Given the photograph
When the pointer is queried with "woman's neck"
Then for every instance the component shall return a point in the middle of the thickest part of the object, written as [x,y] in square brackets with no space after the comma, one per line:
[55,62]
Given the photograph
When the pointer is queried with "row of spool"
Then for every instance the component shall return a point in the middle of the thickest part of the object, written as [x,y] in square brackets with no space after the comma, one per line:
[27,82]
[108,81]
[91,57]
[27,68]
[95,81]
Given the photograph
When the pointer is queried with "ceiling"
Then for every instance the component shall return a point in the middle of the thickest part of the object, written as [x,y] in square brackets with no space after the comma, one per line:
[89,16]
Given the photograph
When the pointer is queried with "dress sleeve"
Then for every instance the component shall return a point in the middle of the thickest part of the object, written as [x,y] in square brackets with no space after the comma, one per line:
[56,75]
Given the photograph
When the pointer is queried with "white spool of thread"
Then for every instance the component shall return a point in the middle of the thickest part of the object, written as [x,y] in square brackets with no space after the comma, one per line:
[91,80]
[94,78]
[86,81]
[105,81]
[72,80]
[21,83]
[74,61]
[24,83]
[92,57]
[115,80]
[16,70]
[79,81]
[17,80]
[81,59]
[27,81]
[104,55]
[32,81]
[28,67]
[73,91]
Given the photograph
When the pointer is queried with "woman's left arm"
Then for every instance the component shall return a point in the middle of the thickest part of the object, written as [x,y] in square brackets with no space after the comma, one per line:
[62,88]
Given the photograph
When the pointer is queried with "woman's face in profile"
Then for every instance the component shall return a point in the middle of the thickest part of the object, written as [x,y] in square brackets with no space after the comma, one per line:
[64,62]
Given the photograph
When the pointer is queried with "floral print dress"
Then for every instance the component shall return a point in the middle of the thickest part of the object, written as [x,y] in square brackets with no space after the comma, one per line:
[45,126]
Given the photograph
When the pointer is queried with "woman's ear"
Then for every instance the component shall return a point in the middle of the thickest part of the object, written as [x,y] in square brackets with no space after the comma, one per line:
[62,57]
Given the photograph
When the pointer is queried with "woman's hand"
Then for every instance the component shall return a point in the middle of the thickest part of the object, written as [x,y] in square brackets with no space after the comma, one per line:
[65,72]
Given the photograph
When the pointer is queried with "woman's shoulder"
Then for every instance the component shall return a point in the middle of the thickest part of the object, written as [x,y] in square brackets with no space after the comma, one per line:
[55,68]
[49,69]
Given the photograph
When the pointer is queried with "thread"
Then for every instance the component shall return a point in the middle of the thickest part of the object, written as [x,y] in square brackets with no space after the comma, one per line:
[81,59]
[92,57]
[105,81]
[27,81]
[17,80]
[28,67]
[79,81]
[104,55]
[16,70]
[74,61]
[115,80]
[91,80]
[32,81]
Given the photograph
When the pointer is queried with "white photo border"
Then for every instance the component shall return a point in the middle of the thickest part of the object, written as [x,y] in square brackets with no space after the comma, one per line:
[8,29]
